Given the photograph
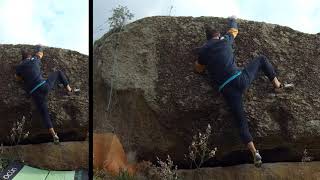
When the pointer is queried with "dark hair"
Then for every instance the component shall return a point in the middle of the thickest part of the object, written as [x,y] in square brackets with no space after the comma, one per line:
[25,54]
[210,32]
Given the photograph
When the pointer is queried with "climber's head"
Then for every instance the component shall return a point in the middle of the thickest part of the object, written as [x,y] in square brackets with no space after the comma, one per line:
[211,32]
[26,54]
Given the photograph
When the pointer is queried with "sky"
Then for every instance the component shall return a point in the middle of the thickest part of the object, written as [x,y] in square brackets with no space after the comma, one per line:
[54,23]
[301,15]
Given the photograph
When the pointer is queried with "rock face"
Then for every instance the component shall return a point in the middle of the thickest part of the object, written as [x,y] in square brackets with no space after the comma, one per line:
[269,171]
[158,103]
[69,114]
[65,156]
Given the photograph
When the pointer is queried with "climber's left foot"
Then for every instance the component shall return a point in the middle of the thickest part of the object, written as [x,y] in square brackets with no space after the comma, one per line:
[56,139]
[257,159]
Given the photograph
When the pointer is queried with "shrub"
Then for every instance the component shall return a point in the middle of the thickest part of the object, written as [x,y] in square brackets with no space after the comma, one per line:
[199,151]
[120,17]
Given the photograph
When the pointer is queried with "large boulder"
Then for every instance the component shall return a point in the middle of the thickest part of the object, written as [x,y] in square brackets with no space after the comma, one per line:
[65,156]
[145,90]
[68,113]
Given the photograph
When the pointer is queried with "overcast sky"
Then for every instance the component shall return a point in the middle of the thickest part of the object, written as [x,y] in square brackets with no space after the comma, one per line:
[302,15]
[56,23]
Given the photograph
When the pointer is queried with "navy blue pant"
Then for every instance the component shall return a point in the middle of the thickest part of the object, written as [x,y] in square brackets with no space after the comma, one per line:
[233,91]
[40,95]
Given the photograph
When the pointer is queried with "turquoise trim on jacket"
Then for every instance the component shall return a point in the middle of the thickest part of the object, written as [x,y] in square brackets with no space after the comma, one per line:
[37,86]
[229,80]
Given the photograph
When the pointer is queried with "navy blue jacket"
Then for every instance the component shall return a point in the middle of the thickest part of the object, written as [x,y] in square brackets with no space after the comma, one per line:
[30,71]
[217,55]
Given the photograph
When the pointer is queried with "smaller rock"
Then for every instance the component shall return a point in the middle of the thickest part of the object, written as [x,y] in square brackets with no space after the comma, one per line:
[64,156]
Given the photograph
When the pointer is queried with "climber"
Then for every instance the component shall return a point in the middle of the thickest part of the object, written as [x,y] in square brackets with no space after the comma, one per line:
[29,71]
[217,56]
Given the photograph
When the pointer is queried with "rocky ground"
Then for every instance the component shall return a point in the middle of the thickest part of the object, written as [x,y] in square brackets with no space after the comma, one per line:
[64,156]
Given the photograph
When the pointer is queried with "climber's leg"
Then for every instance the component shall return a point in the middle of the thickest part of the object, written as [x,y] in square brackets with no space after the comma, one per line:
[261,63]
[42,105]
[234,100]
[41,102]
[58,77]
[276,83]
[251,147]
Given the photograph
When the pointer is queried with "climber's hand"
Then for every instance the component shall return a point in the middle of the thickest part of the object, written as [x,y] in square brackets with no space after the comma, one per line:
[18,78]
[39,51]
[232,17]
[39,48]
[199,68]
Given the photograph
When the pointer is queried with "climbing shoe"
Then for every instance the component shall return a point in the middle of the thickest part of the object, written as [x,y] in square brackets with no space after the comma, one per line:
[56,139]
[284,87]
[75,91]
[257,159]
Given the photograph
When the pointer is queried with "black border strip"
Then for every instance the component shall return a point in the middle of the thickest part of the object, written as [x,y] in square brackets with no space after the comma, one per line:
[90,170]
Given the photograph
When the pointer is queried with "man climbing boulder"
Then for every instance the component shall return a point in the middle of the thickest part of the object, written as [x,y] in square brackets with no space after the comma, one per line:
[29,71]
[217,56]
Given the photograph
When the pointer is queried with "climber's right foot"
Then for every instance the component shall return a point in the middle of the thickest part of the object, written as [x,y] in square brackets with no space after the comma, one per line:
[284,87]
[74,91]
[257,159]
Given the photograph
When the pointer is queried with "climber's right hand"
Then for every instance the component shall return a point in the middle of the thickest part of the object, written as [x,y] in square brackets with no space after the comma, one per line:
[232,17]
[39,51]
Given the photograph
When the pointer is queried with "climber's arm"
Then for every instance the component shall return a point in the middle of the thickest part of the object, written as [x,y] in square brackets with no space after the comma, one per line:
[17,75]
[18,78]
[200,64]
[39,51]
[199,68]
[233,30]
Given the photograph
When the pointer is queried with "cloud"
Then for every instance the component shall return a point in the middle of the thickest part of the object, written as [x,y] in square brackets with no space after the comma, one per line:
[216,8]
[298,14]
[15,23]
[61,24]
